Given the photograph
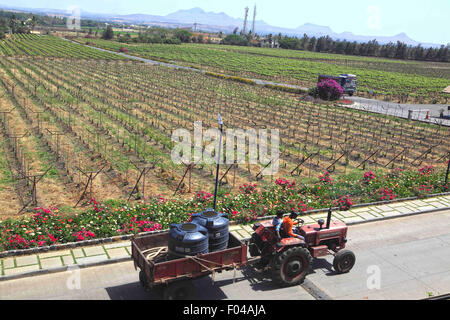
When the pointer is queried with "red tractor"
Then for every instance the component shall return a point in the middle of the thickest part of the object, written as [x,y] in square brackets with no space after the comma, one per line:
[289,259]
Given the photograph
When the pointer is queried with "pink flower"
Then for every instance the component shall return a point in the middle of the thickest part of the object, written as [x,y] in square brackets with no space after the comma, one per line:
[369,176]
[325,178]
[285,183]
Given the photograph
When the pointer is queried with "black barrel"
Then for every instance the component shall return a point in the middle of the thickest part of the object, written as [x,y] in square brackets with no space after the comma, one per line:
[187,239]
[217,225]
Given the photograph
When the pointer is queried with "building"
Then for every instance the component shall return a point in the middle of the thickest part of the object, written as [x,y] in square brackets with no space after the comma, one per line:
[269,43]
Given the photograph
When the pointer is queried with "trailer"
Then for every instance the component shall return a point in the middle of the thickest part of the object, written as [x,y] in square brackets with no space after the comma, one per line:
[175,277]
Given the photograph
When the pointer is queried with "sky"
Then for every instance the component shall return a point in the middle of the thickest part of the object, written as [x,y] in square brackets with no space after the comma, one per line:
[423,21]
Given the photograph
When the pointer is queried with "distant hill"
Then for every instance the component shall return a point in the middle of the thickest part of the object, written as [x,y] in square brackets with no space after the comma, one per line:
[214,22]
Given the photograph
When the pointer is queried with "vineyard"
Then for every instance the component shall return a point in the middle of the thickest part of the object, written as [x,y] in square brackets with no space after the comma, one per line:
[391,79]
[35,45]
[75,129]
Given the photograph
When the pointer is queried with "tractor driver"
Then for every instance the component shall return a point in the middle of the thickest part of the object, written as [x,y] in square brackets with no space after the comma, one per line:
[288,224]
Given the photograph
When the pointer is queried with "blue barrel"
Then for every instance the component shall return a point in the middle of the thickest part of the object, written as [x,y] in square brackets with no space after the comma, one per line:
[187,239]
[217,225]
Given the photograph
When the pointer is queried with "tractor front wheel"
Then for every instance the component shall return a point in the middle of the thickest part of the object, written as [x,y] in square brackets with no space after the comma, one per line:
[344,260]
[290,267]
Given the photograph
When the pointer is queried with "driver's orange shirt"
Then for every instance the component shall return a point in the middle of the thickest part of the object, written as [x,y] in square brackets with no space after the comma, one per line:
[288,223]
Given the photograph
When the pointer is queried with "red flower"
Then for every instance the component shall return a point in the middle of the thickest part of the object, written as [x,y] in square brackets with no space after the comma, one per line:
[386,194]
[248,188]
[326,178]
[369,176]
[425,171]
[285,183]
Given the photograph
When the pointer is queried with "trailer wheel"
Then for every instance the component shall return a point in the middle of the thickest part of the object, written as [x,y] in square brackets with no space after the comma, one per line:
[344,260]
[290,267]
[143,280]
[181,290]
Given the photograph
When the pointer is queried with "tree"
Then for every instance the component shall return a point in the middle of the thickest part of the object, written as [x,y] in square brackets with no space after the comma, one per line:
[312,44]
[304,42]
[289,43]
[2,32]
[340,47]
[401,50]
[33,22]
[13,23]
[442,54]
[109,33]
[234,39]
[183,35]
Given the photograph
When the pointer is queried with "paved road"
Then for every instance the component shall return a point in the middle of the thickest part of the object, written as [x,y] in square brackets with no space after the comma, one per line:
[120,282]
[418,111]
[411,254]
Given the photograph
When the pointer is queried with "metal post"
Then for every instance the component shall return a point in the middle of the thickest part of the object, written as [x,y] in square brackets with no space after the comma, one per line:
[218,161]
[448,169]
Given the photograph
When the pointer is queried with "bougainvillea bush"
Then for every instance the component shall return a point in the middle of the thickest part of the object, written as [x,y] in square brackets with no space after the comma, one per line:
[329,89]
[47,226]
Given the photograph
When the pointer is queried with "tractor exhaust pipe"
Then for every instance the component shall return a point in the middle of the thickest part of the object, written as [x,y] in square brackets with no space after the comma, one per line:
[329,218]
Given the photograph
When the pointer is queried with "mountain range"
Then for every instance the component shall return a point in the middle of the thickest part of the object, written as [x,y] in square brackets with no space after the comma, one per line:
[215,22]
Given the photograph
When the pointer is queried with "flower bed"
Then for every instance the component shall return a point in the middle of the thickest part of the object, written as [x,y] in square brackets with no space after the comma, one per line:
[48,226]
[345,101]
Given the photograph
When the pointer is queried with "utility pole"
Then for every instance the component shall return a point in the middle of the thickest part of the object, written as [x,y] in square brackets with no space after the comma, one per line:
[244,29]
[253,24]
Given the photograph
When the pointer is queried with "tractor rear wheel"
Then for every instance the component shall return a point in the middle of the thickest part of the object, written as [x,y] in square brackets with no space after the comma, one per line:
[290,267]
[344,260]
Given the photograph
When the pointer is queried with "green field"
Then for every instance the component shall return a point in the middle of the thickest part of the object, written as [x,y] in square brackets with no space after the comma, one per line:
[420,81]
[24,45]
